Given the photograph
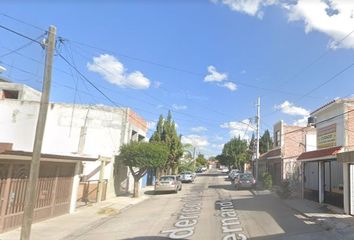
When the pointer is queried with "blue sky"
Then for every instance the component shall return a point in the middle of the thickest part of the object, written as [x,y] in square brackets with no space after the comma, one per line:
[207,61]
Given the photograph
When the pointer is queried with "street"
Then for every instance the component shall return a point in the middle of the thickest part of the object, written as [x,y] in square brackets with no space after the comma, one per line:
[209,208]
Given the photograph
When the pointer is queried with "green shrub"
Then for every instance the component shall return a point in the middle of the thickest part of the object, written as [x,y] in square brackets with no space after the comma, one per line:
[284,191]
[267,180]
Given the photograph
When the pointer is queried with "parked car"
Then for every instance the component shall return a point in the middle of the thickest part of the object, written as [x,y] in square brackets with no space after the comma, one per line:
[224,170]
[204,168]
[199,170]
[187,177]
[244,180]
[168,183]
[233,174]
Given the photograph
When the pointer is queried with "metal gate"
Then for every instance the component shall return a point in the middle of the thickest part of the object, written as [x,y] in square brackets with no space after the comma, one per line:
[53,192]
[311,188]
[333,179]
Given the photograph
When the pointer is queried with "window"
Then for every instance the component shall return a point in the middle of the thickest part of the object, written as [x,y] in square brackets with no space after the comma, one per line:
[10,94]
[277,138]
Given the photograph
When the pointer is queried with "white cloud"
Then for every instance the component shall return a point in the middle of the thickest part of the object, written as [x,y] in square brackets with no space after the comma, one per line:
[157,84]
[242,129]
[218,138]
[111,69]
[151,124]
[217,146]
[229,85]
[195,140]
[301,122]
[289,108]
[179,107]
[332,17]
[199,129]
[214,76]
[250,7]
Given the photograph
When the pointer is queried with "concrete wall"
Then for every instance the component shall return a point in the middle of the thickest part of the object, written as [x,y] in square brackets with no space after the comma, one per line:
[25,92]
[79,129]
[326,115]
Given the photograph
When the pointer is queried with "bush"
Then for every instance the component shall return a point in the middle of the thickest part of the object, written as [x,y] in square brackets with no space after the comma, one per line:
[267,180]
[284,191]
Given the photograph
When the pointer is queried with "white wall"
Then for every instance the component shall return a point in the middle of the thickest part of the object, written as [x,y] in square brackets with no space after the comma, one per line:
[334,110]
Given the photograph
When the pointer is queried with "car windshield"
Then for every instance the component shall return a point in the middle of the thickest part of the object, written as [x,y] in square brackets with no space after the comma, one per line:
[167,179]
[246,176]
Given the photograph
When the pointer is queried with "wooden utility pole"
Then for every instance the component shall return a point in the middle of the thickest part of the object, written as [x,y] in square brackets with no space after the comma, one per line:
[31,192]
[258,118]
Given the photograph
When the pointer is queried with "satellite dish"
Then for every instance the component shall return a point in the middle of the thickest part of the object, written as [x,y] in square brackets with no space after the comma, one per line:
[2,69]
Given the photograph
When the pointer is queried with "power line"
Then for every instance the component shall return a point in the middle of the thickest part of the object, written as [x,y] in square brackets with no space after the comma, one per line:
[20,34]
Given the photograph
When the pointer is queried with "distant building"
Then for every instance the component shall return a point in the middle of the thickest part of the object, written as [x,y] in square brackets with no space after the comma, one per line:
[289,143]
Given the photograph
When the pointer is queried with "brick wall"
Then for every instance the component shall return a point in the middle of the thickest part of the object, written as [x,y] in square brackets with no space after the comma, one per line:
[294,141]
[138,121]
[349,125]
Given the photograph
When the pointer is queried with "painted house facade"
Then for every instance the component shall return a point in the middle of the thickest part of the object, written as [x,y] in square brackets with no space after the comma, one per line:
[289,143]
[92,130]
[328,178]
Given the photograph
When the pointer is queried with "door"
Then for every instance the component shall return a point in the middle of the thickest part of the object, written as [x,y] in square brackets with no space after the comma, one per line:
[311,188]
[351,186]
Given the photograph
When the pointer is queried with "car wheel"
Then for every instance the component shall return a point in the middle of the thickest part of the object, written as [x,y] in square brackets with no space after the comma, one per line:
[176,191]
[180,188]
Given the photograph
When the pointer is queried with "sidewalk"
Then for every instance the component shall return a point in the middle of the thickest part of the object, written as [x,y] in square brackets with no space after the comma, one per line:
[70,226]
[329,217]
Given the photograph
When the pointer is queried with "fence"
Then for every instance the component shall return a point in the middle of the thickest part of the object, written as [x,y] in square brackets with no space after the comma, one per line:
[88,192]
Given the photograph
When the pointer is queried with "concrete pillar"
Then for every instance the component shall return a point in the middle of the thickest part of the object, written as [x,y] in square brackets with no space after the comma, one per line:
[75,188]
[320,182]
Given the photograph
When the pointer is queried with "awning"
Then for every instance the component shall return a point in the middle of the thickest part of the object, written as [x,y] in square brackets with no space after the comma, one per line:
[322,154]
[272,154]
[346,157]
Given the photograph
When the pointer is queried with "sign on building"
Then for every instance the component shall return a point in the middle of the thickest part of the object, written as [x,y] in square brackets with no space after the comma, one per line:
[326,137]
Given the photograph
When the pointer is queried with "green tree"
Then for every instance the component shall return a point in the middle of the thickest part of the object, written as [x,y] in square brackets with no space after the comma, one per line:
[166,134]
[141,156]
[265,142]
[235,152]
[200,160]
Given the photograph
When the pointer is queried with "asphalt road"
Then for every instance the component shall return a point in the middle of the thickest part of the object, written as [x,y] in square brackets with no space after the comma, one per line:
[209,208]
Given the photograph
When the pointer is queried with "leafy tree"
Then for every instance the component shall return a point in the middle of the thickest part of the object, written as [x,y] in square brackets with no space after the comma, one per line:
[235,152]
[141,156]
[200,160]
[166,134]
[265,142]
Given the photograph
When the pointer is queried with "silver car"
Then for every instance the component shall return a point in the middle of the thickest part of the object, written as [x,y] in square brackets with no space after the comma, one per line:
[168,183]
[187,177]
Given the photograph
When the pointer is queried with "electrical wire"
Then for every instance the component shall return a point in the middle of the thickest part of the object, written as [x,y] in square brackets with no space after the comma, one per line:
[20,34]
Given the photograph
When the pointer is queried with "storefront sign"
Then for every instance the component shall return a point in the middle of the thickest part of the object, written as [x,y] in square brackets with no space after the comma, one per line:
[326,137]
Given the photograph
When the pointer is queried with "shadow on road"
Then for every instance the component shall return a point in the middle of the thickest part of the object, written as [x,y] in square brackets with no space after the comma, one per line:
[150,238]
[230,187]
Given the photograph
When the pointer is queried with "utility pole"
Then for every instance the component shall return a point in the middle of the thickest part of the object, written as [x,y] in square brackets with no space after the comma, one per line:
[37,147]
[258,119]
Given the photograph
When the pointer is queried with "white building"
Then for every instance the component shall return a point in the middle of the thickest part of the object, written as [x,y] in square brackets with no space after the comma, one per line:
[92,130]
[329,178]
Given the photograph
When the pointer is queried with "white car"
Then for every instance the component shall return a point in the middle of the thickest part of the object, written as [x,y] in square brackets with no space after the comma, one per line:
[225,170]
[187,177]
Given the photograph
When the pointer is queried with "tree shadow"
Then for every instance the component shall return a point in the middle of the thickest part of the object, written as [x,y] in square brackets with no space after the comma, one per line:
[230,187]
[150,238]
